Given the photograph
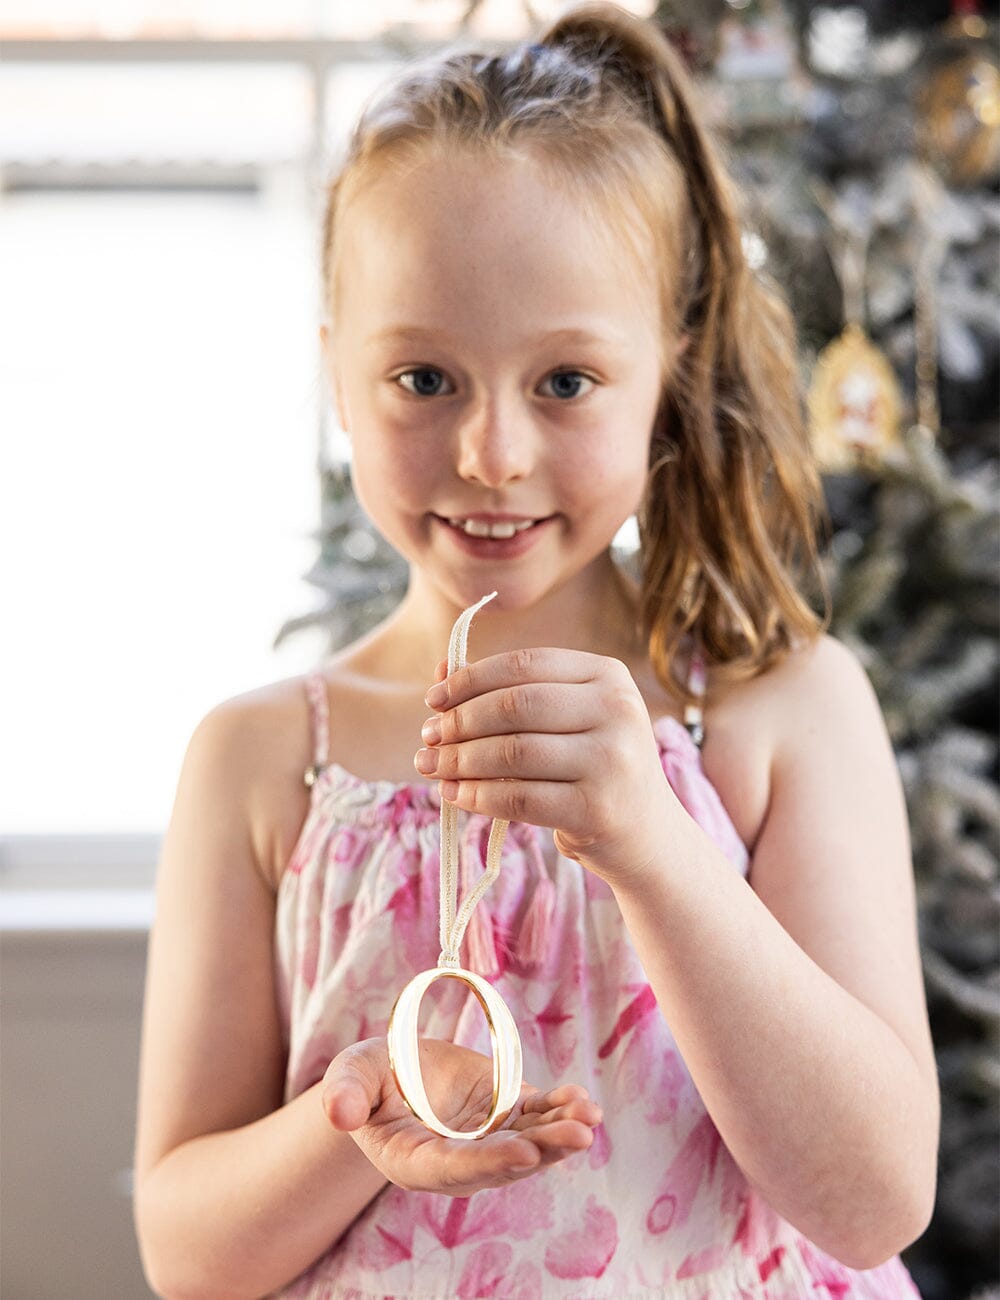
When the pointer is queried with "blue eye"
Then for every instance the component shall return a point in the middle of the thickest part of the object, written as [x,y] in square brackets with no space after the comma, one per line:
[423,378]
[565,383]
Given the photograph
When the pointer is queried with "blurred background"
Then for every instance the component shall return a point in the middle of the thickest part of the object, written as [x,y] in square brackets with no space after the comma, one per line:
[177,523]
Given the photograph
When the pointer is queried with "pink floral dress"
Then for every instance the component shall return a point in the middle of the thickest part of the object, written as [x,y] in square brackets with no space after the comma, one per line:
[656,1207]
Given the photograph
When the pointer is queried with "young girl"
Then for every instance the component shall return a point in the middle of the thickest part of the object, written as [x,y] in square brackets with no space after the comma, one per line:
[539,322]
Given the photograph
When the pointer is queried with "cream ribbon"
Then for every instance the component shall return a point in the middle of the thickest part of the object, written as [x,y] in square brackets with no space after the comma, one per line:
[455,919]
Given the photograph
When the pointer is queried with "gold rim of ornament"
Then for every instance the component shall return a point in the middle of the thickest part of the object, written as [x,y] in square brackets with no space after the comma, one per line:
[404,1051]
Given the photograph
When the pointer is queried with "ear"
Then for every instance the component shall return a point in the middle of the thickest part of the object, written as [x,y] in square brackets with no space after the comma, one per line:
[333,376]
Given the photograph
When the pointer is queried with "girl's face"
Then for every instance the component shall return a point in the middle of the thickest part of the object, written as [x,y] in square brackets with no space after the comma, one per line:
[496,360]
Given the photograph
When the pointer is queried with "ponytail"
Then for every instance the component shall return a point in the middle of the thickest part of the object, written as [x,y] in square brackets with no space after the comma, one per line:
[734,501]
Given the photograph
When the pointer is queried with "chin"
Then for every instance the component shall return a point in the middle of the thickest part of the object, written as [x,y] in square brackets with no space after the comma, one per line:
[516,594]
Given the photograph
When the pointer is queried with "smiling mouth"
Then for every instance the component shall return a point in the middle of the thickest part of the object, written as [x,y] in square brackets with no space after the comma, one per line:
[497,529]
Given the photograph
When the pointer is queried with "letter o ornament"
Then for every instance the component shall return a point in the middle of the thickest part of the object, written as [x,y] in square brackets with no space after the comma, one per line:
[404,1050]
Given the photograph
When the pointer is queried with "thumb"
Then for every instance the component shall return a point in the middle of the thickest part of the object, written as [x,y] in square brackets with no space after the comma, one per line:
[352,1085]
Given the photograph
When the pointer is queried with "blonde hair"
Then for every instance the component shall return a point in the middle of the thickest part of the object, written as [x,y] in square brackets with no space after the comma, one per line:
[733,500]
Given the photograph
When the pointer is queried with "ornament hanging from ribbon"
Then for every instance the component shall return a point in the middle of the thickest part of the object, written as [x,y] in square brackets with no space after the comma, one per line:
[854,401]
[403,1036]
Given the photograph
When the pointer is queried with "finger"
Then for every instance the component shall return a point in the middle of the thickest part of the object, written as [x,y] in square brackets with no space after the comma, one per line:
[559,1139]
[581,1111]
[552,707]
[521,756]
[352,1085]
[565,1093]
[461,1168]
[529,664]
[559,804]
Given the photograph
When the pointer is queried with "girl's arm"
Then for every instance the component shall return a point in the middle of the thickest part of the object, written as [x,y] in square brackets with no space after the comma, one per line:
[235,1193]
[798,1004]
[796,1001]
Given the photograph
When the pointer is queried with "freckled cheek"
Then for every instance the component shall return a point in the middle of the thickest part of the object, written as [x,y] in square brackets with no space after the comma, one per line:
[614,466]
[394,477]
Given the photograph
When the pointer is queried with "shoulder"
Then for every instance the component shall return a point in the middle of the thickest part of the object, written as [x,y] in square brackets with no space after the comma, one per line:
[813,684]
[817,700]
[257,730]
[249,754]
[821,690]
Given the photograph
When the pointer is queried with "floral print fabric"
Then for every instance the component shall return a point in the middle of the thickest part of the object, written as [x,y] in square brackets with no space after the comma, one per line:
[656,1207]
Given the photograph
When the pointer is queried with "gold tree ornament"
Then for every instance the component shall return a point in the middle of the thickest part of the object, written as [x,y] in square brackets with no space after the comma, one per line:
[854,403]
[958,105]
[403,1031]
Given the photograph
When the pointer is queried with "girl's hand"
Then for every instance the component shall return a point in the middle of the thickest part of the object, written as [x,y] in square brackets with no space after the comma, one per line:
[557,738]
[360,1097]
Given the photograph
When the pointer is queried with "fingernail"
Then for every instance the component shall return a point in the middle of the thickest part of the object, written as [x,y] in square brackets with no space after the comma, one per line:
[436,696]
[449,790]
[426,761]
[431,731]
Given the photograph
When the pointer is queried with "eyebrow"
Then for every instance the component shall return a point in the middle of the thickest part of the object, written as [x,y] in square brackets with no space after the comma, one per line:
[568,335]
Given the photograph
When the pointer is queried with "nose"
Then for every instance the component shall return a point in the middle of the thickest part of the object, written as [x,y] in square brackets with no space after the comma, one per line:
[496,444]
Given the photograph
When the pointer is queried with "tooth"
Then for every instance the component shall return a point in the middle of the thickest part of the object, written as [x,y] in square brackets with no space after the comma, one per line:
[476,528]
[503,530]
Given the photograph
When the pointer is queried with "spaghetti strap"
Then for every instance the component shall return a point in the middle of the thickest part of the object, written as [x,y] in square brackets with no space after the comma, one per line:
[319,710]
[694,718]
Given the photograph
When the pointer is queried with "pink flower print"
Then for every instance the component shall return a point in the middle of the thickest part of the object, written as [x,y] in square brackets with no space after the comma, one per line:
[397,810]
[485,1270]
[647,1067]
[373,985]
[415,916]
[341,926]
[547,1012]
[310,950]
[671,1081]
[526,1282]
[585,1251]
[349,848]
[382,1248]
[641,1005]
[306,850]
[825,1272]
[557,1027]
[767,1266]
[694,1162]
[758,1225]
[383,1235]
[518,1210]
[704,1261]
[600,1149]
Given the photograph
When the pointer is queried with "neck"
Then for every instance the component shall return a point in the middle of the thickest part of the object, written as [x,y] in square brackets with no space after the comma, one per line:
[597,612]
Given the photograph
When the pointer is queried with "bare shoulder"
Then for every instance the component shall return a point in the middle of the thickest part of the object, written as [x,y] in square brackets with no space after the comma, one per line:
[254,749]
[812,684]
[820,699]
[818,691]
